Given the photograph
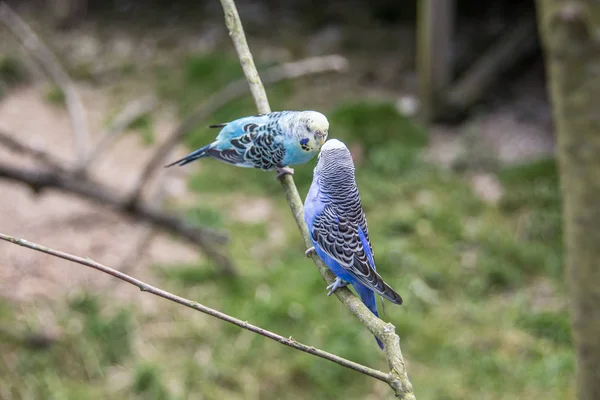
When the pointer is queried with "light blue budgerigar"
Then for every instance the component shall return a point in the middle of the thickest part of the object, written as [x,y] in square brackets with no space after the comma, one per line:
[269,141]
[338,227]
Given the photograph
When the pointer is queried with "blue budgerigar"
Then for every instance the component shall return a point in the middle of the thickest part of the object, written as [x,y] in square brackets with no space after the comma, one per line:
[338,227]
[270,141]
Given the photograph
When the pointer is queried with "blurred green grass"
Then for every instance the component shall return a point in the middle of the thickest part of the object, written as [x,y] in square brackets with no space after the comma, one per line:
[474,324]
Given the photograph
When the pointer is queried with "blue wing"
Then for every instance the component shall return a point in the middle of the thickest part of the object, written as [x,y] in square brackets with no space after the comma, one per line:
[246,142]
[245,125]
[341,239]
[250,142]
[366,244]
[364,239]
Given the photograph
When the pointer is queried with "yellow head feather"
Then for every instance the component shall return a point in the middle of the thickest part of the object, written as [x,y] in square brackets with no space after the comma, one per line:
[317,121]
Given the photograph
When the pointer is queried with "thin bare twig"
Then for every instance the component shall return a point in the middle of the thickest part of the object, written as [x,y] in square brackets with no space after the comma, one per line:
[50,62]
[383,331]
[96,192]
[234,90]
[131,112]
[144,287]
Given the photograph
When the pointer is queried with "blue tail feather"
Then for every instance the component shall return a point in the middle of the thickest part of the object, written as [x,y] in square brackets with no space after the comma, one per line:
[193,156]
[367,296]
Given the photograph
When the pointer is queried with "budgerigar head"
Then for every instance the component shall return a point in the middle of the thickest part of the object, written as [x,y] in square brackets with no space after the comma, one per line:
[312,129]
[335,159]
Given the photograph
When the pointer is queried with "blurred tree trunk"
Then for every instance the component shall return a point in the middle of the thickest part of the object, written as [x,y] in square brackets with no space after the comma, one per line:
[570,32]
[435,28]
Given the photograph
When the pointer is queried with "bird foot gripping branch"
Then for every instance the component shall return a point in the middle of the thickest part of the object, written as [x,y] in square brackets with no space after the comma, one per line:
[310,251]
[284,171]
[338,283]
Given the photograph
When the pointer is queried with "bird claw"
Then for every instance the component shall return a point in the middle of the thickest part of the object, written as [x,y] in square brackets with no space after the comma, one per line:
[310,251]
[284,171]
[338,283]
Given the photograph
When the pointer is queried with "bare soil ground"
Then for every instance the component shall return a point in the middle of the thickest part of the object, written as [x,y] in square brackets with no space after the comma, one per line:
[62,221]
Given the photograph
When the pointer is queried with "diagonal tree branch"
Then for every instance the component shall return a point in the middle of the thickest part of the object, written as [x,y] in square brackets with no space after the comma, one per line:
[144,287]
[384,331]
[234,90]
[48,60]
[236,31]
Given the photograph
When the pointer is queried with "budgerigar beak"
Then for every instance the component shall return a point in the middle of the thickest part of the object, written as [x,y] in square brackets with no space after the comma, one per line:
[321,139]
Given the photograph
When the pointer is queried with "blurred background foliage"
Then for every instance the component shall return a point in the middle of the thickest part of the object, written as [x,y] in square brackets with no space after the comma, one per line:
[484,315]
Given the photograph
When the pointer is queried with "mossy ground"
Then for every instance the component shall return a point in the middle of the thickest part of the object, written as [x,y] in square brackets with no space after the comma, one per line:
[472,326]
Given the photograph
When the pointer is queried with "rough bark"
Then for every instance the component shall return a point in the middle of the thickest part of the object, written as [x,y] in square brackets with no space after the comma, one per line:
[570,32]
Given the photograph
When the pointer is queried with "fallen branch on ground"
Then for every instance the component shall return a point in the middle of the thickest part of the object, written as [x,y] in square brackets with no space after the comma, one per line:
[144,287]
[383,331]
[96,192]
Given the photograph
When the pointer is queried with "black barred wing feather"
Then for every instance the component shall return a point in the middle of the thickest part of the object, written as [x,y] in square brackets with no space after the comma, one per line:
[265,151]
[339,238]
[230,156]
[257,148]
